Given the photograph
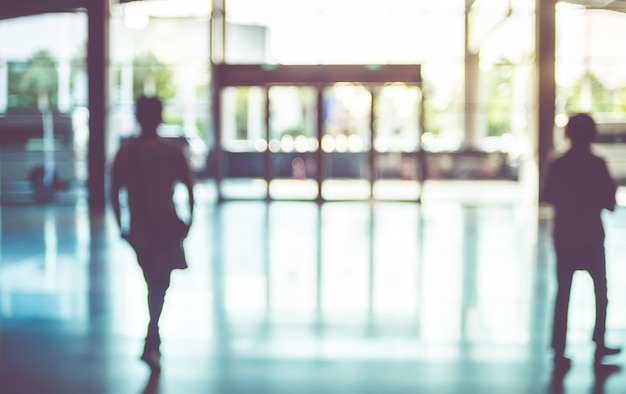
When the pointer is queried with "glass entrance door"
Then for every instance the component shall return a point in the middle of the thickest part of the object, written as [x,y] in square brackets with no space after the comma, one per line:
[243,143]
[300,132]
[276,144]
[346,142]
[397,143]
[293,142]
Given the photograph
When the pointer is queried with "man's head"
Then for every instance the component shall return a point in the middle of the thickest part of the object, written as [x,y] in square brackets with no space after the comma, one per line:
[581,130]
[149,113]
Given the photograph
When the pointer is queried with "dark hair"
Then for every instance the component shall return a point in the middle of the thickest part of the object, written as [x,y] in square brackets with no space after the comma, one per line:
[581,129]
[149,111]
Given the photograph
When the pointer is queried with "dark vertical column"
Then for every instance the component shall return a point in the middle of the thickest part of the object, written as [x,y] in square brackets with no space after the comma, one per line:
[472,104]
[216,119]
[371,272]
[546,84]
[371,156]
[545,48]
[217,25]
[319,271]
[217,41]
[97,69]
[267,263]
[421,154]
[471,75]
[222,336]
[267,156]
[319,155]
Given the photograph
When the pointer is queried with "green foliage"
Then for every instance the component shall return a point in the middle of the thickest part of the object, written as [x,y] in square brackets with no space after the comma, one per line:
[241,113]
[148,69]
[500,101]
[32,80]
[618,104]
[576,95]
[435,119]
[589,94]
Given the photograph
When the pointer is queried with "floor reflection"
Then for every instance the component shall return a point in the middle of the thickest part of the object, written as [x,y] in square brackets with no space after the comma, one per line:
[288,297]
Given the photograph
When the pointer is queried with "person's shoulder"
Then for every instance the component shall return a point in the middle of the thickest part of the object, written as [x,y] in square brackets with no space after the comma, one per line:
[597,158]
[581,156]
[558,158]
[131,141]
[170,145]
[170,148]
[126,145]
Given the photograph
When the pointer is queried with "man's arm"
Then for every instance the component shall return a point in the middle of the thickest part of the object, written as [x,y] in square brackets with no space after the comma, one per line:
[609,187]
[548,189]
[188,180]
[189,184]
[115,187]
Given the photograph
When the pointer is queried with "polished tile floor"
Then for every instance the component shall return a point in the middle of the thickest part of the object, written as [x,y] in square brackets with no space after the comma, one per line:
[453,295]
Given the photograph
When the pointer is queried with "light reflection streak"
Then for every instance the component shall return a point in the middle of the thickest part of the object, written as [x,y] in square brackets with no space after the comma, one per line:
[50,245]
[82,233]
[405,279]
[4,297]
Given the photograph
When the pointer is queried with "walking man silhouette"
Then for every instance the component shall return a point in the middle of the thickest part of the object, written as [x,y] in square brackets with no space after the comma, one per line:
[148,168]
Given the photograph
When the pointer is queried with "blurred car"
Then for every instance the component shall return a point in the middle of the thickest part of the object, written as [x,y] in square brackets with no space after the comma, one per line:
[189,138]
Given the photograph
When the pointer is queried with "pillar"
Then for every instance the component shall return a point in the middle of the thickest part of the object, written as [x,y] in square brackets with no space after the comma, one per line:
[97,67]
[546,82]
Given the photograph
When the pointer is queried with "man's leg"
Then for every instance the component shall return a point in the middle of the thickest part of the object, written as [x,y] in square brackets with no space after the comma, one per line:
[157,283]
[598,275]
[561,309]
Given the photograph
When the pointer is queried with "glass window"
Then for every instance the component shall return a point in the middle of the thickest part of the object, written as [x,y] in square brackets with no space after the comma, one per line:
[293,119]
[396,141]
[505,95]
[293,142]
[590,76]
[397,118]
[346,116]
[346,141]
[244,142]
[590,54]
[243,119]
[162,48]
[43,116]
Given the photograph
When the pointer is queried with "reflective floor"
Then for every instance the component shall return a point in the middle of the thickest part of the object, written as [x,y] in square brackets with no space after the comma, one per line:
[450,296]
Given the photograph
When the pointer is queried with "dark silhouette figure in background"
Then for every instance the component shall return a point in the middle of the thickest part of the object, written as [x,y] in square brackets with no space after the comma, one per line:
[148,168]
[579,186]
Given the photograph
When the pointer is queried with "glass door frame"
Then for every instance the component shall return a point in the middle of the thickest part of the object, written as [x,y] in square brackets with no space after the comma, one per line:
[319,76]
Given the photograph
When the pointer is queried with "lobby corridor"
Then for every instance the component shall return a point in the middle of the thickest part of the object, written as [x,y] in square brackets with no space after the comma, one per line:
[452,295]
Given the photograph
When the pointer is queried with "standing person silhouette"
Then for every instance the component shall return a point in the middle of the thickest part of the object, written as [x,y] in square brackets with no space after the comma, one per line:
[578,185]
[148,168]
